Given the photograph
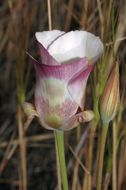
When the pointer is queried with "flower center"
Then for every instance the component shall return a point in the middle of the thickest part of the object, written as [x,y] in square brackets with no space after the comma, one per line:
[53,121]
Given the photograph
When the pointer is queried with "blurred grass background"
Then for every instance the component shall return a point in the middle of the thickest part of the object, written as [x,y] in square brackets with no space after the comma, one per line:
[27,151]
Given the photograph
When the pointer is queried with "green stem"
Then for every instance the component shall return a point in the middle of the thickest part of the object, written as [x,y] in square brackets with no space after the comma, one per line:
[59,138]
[101,154]
[114,172]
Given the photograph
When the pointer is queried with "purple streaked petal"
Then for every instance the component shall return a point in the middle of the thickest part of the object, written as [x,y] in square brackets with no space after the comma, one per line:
[75,74]
[46,58]
[53,116]
[64,72]
[77,85]
[45,40]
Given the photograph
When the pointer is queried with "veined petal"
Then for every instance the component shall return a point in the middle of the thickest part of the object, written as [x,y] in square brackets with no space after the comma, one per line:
[53,101]
[64,72]
[77,85]
[74,75]
[46,58]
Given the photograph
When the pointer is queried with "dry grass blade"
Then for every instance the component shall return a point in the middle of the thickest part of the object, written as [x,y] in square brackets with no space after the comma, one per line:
[120,34]
[49,14]
[75,185]
[79,161]
[69,15]
[79,146]
[101,17]
[33,138]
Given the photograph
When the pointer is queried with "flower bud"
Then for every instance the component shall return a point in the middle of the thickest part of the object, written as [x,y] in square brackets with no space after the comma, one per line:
[110,99]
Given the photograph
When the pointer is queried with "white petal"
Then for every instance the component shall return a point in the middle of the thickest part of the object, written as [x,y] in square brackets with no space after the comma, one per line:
[76,44]
[94,47]
[47,37]
[53,90]
[53,101]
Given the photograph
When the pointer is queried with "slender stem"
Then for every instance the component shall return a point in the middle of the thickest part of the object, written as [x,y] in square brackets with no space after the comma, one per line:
[87,178]
[101,154]
[23,166]
[59,138]
[87,182]
[114,172]
[49,14]
[59,187]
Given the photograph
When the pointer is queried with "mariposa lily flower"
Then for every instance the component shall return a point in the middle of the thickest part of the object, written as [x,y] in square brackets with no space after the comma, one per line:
[61,76]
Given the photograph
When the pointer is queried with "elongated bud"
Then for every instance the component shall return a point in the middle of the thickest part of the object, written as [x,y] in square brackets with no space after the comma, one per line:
[110,99]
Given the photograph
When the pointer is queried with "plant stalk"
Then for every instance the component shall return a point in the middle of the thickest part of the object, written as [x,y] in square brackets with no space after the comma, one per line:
[59,138]
[101,154]
[49,14]
[23,164]
[114,172]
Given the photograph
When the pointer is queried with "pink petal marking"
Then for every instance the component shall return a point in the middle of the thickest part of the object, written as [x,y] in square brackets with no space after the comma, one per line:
[46,58]
[74,74]
[64,72]
[54,117]
[77,85]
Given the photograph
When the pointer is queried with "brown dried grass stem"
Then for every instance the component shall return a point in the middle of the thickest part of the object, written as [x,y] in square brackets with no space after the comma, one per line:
[49,14]
[33,138]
